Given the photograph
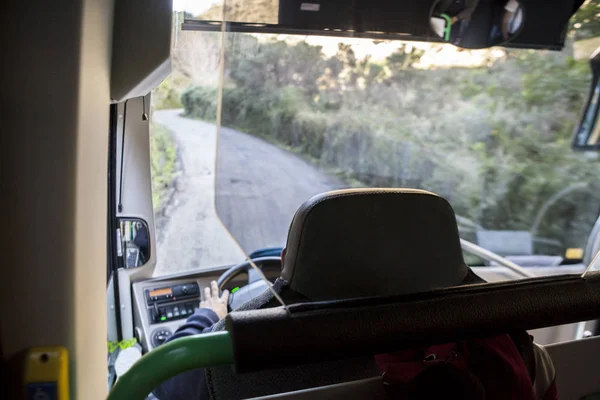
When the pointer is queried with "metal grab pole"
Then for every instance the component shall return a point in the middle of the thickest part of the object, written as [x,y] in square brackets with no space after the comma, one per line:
[490,256]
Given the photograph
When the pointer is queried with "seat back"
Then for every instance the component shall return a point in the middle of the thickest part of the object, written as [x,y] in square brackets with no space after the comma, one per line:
[347,244]
[224,383]
[373,242]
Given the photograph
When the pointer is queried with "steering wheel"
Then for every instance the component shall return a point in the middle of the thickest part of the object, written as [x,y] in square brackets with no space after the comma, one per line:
[255,286]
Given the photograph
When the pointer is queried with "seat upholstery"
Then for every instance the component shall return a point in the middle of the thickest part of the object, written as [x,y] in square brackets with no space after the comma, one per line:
[224,383]
[373,242]
[346,244]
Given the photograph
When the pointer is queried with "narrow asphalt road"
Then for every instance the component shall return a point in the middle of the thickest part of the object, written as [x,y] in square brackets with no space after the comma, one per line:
[250,187]
[260,186]
[192,236]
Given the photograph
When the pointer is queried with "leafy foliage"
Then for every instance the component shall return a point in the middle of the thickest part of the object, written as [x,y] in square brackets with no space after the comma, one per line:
[257,11]
[168,93]
[586,22]
[163,163]
[494,140]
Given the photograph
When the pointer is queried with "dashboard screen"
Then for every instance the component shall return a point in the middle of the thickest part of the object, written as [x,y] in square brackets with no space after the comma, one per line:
[160,292]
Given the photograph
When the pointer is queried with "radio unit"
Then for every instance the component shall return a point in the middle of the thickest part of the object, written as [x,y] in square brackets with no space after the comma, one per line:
[172,293]
[172,302]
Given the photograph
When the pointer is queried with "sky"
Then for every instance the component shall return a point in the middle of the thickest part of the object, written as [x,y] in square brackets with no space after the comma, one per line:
[194,7]
[445,56]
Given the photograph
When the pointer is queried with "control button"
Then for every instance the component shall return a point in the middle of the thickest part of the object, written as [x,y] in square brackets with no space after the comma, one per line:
[154,316]
[176,311]
[177,291]
[190,308]
[169,313]
[157,315]
[160,336]
[184,289]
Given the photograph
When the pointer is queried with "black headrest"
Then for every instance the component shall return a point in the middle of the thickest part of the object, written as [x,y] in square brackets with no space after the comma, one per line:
[367,242]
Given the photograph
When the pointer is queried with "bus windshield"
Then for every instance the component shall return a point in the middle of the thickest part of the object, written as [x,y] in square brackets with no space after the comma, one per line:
[249,126]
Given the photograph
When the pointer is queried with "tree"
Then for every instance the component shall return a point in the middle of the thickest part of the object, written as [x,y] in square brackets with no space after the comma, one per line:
[492,138]
[585,23]
[405,57]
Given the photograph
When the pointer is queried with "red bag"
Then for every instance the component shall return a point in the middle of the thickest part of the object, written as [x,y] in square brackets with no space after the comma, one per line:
[490,368]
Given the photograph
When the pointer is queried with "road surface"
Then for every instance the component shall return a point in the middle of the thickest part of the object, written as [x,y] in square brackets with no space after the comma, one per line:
[254,194]
[260,186]
[192,236]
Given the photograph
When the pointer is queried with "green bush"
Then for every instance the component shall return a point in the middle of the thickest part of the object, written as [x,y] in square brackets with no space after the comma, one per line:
[493,140]
[163,157]
[200,102]
[168,94]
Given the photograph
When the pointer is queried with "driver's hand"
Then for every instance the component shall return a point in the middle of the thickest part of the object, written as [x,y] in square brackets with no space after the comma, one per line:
[213,302]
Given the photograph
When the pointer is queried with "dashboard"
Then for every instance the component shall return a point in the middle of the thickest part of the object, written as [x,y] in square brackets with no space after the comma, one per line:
[161,305]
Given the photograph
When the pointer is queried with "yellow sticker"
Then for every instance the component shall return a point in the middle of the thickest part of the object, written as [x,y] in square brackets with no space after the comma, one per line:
[47,373]
[574,254]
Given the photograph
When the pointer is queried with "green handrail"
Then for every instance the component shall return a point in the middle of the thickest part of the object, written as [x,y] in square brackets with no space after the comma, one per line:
[448,28]
[171,359]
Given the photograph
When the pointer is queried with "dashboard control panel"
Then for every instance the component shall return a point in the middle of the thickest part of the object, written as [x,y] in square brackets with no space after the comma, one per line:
[161,305]
[170,303]
[166,313]
[172,293]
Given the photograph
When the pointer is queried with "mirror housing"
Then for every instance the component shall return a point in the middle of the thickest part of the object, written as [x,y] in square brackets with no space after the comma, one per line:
[134,241]
[477,24]
[587,132]
[407,20]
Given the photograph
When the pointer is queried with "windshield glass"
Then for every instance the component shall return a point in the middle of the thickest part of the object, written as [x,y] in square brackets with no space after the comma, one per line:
[489,130]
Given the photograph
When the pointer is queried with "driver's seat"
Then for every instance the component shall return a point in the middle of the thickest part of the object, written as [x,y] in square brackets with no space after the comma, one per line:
[348,244]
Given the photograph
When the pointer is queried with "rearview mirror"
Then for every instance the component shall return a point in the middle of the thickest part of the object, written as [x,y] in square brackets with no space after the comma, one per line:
[587,132]
[135,242]
[477,24]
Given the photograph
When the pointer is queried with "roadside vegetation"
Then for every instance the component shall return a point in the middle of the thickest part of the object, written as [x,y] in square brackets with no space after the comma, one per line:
[168,94]
[493,138]
[163,157]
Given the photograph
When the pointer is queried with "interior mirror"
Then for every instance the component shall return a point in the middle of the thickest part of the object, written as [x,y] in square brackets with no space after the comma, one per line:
[135,242]
[477,24]
[587,132]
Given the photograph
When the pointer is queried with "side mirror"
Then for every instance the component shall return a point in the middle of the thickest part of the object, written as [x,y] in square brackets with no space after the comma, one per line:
[587,132]
[135,242]
[477,24]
